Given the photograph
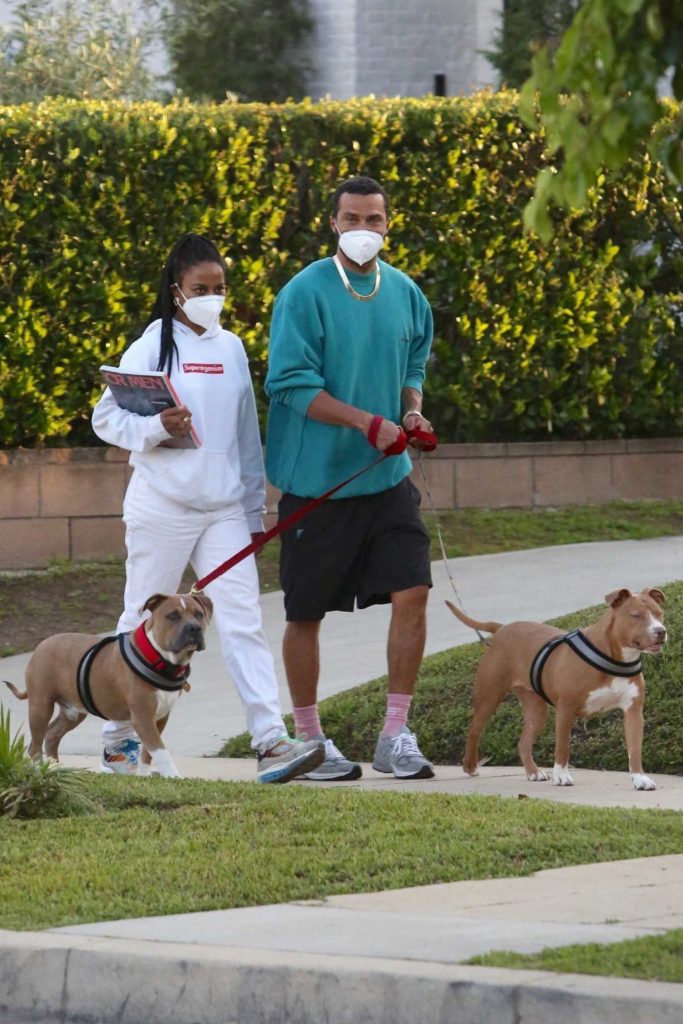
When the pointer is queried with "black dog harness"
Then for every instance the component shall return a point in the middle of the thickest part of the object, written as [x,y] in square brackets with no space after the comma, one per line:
[141,657]
[582,646]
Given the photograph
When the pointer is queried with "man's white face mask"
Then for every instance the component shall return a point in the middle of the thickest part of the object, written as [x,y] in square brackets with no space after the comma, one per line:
[360,246]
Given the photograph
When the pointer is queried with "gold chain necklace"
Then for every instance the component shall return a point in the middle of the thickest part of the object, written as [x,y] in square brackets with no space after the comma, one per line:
[347,284]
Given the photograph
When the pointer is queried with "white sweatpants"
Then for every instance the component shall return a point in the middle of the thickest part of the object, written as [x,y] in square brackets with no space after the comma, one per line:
[162,538]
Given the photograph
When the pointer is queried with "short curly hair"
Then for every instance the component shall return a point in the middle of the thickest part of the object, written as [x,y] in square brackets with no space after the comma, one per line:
[360,185]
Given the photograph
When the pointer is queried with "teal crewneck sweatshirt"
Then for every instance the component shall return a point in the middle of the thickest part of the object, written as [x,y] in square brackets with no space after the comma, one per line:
[362,353]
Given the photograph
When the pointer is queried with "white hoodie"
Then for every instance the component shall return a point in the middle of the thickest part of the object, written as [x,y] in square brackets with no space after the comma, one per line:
[213,381]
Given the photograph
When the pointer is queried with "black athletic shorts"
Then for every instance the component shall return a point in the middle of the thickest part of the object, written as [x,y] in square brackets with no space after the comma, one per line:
[351,550]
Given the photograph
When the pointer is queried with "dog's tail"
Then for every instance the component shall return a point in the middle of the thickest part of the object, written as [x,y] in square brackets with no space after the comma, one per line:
[485,627]
[22,695]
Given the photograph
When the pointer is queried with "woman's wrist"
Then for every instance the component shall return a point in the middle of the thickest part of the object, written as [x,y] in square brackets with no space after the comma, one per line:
[411,412]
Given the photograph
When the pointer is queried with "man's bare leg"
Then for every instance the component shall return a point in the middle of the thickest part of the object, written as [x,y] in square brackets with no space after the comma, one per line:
[301,655]
[407,636]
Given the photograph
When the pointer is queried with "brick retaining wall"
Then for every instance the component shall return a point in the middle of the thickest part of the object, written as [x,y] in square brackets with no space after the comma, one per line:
[66,502]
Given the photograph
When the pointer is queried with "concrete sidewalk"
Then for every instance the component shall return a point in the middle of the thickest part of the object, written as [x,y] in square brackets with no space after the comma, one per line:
[393,957]
[379,958]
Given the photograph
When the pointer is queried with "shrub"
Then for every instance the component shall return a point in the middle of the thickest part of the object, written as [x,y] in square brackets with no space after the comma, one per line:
[576,339]
[30,789]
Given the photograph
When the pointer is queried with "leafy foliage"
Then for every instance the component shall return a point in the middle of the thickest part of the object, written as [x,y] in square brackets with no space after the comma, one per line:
[525,26]
[575,339]
[75,48]
[30,789]
[597,99]
[247,49]
[443,706]
[12,748]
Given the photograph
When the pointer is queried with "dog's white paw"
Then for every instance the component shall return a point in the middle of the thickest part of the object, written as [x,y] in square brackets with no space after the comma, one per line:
[641,781]
[561,776]
[472,773]
[537,776]
[163,762]
[144,769]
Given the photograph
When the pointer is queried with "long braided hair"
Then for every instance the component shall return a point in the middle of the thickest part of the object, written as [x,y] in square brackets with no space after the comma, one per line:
[186,253]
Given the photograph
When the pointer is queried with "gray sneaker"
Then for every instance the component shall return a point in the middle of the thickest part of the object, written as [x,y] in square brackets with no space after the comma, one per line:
[335,767]
[289,758]
[401,755]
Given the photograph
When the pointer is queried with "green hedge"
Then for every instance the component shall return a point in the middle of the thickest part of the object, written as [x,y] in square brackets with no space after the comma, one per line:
[575,340]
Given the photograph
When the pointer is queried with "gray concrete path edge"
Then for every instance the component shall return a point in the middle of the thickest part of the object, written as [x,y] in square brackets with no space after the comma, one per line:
[110,981]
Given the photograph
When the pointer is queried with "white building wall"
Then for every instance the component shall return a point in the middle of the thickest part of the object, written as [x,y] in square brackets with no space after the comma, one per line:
[389,47]
[396,47]
[333,49]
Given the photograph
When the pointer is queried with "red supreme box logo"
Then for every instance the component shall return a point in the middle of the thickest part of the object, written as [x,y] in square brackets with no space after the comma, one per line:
[203,367]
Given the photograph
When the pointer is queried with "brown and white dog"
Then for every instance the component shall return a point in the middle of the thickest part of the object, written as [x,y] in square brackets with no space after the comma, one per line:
[593,670]
[135,678]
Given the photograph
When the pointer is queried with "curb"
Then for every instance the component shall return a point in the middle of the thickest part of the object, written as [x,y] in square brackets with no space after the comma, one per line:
[57,979]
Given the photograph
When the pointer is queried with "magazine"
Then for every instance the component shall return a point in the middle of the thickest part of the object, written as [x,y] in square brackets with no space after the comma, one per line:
[147,394]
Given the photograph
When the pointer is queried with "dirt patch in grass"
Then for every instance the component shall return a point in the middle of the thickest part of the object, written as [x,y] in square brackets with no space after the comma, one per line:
[79,599]
[74,598]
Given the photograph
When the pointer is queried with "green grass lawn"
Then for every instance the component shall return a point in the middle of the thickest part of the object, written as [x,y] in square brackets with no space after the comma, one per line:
[482,531]
[654,958]
[160,846]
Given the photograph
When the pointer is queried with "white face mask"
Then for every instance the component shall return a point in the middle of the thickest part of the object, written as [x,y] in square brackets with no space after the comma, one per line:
[202,310]
[360,246]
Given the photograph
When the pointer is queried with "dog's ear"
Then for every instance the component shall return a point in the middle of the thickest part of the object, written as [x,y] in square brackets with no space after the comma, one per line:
[206,603]
[153,602]
[617,597]
[656,595]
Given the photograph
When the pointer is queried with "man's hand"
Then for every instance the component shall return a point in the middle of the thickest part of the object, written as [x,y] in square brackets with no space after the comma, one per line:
[177,422]
[414,420]
[387,435]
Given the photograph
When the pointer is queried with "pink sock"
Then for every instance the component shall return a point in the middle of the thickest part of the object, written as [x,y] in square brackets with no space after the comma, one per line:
[398,705]
[307,720]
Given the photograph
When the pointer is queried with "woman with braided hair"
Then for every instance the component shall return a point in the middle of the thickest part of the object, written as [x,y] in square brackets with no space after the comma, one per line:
[195,505]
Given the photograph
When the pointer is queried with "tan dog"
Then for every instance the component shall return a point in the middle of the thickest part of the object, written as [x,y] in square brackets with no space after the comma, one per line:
[161,648]
[600,673]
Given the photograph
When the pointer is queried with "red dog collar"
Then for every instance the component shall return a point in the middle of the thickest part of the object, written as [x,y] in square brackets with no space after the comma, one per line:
[154,660]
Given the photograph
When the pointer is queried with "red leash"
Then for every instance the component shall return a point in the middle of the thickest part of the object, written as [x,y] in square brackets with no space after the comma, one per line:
[427,442]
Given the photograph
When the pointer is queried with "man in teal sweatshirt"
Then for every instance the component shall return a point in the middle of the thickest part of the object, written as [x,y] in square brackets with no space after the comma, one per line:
[349,342]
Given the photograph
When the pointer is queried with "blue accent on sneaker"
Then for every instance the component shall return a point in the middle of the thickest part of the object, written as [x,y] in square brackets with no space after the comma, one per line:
[121,758]
[289,758]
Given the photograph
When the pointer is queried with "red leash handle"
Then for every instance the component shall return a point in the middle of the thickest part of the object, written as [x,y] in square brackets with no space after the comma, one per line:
[373,430]
[426,442]
[396,447]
